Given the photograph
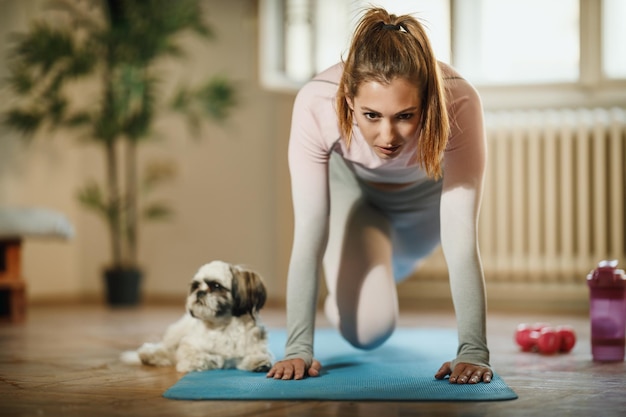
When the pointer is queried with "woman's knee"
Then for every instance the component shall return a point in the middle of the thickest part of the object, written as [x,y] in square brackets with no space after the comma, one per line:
[365,310]
[369,335]
[362,329]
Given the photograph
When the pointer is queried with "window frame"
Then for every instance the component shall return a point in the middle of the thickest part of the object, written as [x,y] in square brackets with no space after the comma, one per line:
[592,89]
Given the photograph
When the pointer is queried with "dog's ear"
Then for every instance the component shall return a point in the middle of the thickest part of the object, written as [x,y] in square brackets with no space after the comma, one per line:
[248,291]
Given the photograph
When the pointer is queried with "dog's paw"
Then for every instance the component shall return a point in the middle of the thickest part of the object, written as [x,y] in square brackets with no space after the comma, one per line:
[199,363]
[184,367]
[154,354]
[263,368]
[256,363]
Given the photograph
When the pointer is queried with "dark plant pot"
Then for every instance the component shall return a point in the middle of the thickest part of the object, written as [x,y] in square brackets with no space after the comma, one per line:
[123,286]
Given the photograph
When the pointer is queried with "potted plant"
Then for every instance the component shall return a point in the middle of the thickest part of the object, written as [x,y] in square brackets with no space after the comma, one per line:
[117,45]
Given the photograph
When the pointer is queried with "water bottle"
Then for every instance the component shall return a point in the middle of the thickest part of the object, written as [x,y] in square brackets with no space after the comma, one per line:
[607,311]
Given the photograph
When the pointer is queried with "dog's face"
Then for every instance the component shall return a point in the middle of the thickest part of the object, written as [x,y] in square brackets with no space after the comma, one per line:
[220,291]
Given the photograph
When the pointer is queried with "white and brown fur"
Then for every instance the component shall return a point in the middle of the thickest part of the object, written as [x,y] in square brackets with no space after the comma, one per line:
[220,329]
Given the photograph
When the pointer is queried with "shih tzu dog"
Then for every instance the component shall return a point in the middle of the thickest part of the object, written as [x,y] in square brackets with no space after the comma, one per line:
[220,329]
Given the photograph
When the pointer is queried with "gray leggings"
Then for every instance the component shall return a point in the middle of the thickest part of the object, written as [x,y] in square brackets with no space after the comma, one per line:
[376,239]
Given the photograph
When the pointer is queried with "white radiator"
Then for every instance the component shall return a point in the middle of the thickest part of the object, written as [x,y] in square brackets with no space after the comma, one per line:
[553,204]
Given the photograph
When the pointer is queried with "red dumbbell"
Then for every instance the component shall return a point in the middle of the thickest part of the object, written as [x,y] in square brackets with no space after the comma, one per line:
[548,340]
[527,335]
[522,337]
[568,338]
[545,339]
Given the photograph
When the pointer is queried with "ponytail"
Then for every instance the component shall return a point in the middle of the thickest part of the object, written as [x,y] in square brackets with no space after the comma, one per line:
[385,47]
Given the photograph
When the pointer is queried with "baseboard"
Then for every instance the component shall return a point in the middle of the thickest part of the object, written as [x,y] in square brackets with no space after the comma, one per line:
[413,294]
[522,297]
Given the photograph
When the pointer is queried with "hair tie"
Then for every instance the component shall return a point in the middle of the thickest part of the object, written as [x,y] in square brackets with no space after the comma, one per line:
[399,28]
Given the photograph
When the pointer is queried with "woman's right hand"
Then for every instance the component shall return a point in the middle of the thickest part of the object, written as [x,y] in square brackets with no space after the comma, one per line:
[293,369]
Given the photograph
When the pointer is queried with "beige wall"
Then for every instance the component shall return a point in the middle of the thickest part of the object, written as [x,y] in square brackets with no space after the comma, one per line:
[231,194]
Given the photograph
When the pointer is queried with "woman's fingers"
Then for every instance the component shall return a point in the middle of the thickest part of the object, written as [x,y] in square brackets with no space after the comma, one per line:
[315,368]
[465,373]
[293,369]
[444,371]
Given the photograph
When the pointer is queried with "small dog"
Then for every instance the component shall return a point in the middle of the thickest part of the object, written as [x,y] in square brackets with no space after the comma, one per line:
[220,329]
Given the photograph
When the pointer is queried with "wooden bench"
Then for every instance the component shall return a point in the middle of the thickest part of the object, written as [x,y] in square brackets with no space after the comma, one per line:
[12,285]
[15,225]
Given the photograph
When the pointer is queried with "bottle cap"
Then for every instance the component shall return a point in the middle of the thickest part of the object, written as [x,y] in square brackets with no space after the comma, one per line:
[606,275]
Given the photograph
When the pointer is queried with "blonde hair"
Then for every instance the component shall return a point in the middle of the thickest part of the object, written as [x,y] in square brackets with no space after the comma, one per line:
[385,47]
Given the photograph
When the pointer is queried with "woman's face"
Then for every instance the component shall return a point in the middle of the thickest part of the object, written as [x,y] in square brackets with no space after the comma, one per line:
[388,115]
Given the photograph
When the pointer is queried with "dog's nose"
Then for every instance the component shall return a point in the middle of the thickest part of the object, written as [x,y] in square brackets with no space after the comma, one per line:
[200,294]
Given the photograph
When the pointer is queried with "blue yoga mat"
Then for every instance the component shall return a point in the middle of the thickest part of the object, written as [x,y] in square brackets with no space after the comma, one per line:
[400,370]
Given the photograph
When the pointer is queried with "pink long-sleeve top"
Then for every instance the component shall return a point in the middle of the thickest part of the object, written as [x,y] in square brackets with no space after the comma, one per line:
[315,134]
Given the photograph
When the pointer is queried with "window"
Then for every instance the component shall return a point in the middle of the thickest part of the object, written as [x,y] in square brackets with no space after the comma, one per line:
[302,37]
[517,41]
[613,36]
[572,46]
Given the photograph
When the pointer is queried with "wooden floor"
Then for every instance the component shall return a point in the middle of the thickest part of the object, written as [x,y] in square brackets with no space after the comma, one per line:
[64,362]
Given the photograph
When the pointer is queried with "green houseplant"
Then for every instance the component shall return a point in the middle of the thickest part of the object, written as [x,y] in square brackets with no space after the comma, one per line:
[117,46]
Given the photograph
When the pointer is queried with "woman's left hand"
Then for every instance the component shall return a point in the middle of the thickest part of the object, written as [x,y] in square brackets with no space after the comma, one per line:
[465,373]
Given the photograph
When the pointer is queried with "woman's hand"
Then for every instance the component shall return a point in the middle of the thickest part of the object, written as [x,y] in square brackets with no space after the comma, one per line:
[293,369]
[465,373]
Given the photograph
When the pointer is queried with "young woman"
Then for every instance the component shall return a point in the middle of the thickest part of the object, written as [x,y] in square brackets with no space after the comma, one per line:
[387,157]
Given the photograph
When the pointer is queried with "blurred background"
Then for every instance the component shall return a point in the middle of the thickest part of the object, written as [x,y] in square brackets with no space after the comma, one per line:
[552,76]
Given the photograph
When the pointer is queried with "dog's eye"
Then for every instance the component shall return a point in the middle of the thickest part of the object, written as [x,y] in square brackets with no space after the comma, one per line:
[194,286]
[215,286]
